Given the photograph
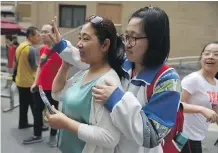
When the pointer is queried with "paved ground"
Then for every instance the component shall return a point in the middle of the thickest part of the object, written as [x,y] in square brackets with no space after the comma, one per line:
[12,137]
[11,141]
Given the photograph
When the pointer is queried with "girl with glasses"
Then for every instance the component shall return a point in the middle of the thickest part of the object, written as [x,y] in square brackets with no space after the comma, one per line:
[144,121]
[200,99]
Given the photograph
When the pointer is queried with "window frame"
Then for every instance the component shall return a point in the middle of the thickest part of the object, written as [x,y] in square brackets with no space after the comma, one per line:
[62,6]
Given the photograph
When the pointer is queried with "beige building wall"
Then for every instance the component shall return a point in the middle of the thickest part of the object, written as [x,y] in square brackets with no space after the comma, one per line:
[45,11]
[192,24]
[23,8]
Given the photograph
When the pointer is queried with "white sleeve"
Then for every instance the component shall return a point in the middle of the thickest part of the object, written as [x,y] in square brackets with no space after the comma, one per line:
[59,95]
[103,133]
[129,106]
[71,55]
[190,83]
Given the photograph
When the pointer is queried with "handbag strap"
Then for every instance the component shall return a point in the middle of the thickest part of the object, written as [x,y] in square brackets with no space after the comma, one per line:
[49,54]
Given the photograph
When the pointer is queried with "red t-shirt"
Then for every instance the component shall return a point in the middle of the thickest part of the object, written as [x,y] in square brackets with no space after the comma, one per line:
[11,53]
[49,70]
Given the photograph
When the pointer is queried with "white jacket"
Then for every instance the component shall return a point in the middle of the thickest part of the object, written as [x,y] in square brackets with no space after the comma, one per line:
[101,136]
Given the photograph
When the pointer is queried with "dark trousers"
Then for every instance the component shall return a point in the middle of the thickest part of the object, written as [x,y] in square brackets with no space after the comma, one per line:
[192,147]
[25,100]
[39,106]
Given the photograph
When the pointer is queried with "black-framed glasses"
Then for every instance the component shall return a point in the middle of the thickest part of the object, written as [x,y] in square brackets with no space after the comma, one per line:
[94,19]
[130,40]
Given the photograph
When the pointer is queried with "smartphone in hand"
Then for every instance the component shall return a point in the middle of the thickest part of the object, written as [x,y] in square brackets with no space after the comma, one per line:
[45,100]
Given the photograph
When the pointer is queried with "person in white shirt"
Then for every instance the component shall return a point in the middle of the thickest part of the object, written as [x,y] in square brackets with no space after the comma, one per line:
[200,99]
[85,126]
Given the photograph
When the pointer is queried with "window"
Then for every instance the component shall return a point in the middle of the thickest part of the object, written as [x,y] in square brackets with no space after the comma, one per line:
[72,16]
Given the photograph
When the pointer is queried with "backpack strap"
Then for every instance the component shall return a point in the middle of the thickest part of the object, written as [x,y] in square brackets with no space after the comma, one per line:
[150,88]
[168,145]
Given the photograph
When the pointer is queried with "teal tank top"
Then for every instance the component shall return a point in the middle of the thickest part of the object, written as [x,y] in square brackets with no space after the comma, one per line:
[76,105]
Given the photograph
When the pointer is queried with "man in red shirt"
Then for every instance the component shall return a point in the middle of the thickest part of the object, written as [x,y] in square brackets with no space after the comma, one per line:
[11,49]
[46,72]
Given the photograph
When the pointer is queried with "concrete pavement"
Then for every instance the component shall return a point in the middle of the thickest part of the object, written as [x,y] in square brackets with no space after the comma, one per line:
[12,137]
